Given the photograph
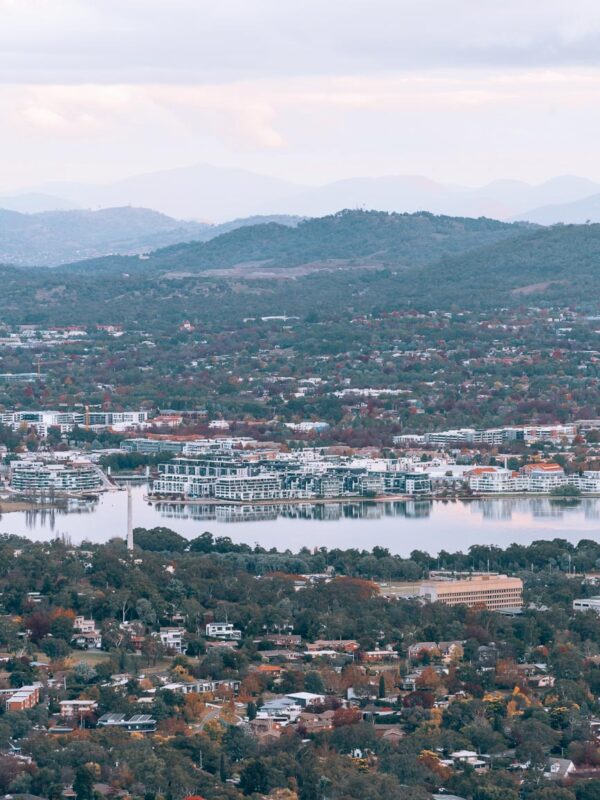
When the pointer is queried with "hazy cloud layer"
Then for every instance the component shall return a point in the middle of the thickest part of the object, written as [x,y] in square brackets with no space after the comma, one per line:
[464,90]
[68,41]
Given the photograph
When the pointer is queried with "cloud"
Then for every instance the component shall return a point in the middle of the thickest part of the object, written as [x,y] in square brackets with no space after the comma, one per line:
[186,41]
[326,87]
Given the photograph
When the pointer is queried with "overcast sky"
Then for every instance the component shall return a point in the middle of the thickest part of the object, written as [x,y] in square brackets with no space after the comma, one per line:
[464,91]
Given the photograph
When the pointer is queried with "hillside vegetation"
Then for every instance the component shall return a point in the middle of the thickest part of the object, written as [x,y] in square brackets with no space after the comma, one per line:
[354,238]
[354,262]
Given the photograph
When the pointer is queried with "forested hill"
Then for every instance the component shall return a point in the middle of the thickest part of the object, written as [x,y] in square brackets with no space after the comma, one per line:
[559,264]
[51,238]
[353,238]
[55,237]
[354,262]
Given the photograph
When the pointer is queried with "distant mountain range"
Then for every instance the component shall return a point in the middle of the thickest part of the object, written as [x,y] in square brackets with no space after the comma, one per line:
[208,193]
[50,238]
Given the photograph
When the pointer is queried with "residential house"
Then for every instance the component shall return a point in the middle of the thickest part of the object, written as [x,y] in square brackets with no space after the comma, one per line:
[172,638]
[313,723]
[222,630]
[138,723]
[557,769]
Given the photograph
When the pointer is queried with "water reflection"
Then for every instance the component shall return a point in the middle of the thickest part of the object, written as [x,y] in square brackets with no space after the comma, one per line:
[489,509]
[46,517]
[367,510]
[399,525]
[503,508]
[538,507]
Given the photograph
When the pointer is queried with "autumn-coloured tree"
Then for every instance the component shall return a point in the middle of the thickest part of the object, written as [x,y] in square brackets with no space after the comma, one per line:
[193,706]
[429,680]
[346,716]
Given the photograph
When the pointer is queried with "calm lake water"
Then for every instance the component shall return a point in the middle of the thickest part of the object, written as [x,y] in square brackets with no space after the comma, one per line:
[400,526]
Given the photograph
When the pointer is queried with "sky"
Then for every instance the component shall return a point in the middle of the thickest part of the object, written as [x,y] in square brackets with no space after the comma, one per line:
[462,91]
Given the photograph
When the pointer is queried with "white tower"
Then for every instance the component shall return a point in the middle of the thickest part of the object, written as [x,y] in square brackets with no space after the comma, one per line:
[129,519]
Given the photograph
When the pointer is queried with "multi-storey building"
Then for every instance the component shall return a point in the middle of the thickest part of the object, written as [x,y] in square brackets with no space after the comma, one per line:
[248,488]
[490,590]
[30,477]
[172,638]
[65,421]
[540,478]
[222,630]
[24,698]
[491,479]
[497,436]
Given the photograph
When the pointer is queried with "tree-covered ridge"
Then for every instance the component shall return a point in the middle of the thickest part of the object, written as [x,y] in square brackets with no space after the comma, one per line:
[55,237]
[397,240]
[559,264]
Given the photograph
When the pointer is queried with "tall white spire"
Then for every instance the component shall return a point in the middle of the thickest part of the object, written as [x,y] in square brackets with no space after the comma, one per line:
[129,519]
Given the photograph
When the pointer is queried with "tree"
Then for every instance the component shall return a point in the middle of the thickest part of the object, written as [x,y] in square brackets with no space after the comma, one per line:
[145,611]
[254,778]
[346,716]
[313,682]
[83,785]
[84,672]
[382,690]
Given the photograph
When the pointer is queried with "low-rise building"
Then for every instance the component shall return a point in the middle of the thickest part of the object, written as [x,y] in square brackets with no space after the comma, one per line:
[313,723]
[71,709]
[138,723]
[91,640]
[587,604]
[24,698]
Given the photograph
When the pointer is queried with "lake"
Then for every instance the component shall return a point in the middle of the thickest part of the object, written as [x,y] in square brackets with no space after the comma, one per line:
[400,526]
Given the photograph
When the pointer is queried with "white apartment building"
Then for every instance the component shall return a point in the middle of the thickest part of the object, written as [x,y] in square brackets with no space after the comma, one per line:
[249,488]
[172,638]
[587,482]
[29,477]
[491,480]
[497,436]
[65,421]
[542,477]
[538,478]
[222,630]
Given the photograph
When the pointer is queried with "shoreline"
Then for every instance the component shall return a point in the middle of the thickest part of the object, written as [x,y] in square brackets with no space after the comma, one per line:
[12,506]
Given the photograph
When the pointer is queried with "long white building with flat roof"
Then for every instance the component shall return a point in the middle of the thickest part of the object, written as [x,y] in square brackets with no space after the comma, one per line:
[36,477]
[65,421]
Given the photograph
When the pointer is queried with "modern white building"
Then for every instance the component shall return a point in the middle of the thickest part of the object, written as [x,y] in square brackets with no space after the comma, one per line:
[497,436]
[172,638]
[587,604]
[30,477]
[491,480]
[249,488]
[540,478]
[222,630]
[65,421]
